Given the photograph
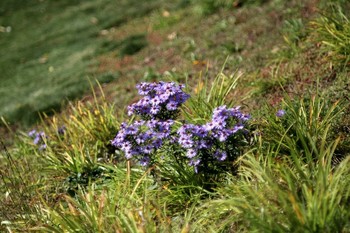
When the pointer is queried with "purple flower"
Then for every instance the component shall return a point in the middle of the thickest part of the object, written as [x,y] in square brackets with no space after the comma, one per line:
[220,155]
[144,161]
[223,135]
[219,123]
[171,106]
[157,143]
[237,128]
[209,126]
[155,110]
[147,149]
[32,133]
[203,144]
[155,101]
[160,100]
[186,143]
[280,113]
[244,117]
[141,139]
[194,162]
[36,140]
[61,130]
[39,137]
[191,153]
[200,131]
[125,146]
[42,147]
[211,139]
[128,154]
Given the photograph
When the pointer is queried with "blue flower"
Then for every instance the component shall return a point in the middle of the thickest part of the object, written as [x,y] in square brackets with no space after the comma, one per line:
[61,130]
[220,155]
[32,133]
[211,139]
[171,106]
[280,113]
[144,161]
[39,137]
[161,100]
[141,139]
[191,153]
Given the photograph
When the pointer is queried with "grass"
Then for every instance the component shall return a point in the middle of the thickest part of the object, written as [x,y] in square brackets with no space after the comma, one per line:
[52,48]
[333,30]
[63,60]
[291,175]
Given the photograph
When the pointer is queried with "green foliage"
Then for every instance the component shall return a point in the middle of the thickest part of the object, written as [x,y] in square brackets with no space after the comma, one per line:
[333,31]
[291,186]
[209,95]
[76,144]
[208,7]
[122,207]
[181,186]
[130,202]
[53,46]
[22,184]
[166,19]
[307,123]
[294,32]
[278,196]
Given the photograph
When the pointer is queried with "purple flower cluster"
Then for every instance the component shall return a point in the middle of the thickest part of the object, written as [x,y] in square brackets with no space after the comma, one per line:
[158,106]
[226,122]
[38,138]
[207,144]
[280,113]
[209,139]
[161,100]
[141,138]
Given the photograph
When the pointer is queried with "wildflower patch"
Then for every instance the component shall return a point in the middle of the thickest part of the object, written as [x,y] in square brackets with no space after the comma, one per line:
[210,148]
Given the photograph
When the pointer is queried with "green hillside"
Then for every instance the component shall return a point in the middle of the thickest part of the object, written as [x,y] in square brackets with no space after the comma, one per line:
[182,116]
[50,50]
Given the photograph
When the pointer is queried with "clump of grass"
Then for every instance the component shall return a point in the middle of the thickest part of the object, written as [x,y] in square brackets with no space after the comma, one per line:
[209,95]
[305,124]
[293,34]
[277,196]
[333,31]
[21,187]
[77,143]
[66,155]
[296,189]
[120,206]
[130,202]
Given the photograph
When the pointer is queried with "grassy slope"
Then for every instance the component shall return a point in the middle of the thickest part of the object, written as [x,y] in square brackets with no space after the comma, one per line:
[251,35]
[52,49]
[60,44]
[245,37]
